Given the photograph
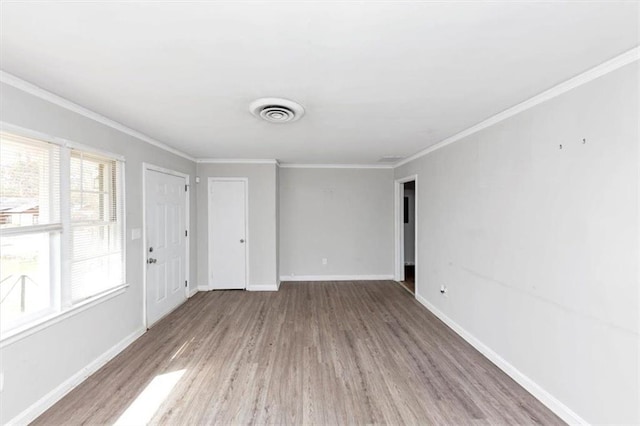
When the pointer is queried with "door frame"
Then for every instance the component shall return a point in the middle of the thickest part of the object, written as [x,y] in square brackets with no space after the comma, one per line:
[398,274]
[247,241]
[146,167]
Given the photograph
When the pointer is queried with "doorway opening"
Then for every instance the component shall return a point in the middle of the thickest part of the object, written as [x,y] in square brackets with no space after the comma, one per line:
[409,230]
[406,233]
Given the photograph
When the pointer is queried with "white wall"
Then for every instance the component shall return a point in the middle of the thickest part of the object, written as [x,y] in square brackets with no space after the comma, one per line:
[39,363]
[343,215]
[262,238]
[539,246]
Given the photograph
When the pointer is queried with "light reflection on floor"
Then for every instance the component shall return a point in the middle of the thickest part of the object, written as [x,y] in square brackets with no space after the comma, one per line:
[147,403]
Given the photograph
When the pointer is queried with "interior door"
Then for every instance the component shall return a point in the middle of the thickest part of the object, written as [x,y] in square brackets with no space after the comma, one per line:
[166,243]
[227,234]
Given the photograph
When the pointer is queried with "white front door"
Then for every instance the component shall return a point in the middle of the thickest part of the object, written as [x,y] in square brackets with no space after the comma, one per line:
[227,233]
[166,243]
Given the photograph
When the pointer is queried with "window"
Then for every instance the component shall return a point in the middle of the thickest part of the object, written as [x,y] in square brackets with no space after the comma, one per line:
[61,228]
[31,227]
[96,228]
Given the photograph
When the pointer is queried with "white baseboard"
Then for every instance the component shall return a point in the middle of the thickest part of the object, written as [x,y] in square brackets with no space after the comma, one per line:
[336,277]
[263,287]
[44,403]
[193,291]
[561,410]
[254,287]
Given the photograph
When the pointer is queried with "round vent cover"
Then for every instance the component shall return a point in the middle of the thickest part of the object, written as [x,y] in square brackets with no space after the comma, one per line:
[276,110]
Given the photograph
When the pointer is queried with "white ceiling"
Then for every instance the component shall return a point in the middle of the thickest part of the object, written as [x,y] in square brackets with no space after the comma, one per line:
[376,79]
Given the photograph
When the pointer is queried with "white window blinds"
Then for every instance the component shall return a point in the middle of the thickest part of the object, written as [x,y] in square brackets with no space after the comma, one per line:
[97,231]
[61,227]
[30,228]
[30,182]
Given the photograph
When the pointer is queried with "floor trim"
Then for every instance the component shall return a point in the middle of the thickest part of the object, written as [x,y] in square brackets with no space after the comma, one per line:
[263,287]
[336,277]
[44,403]
[561,410]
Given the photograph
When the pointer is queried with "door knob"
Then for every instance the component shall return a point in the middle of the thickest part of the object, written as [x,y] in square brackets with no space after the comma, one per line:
[241,240]
[152,260]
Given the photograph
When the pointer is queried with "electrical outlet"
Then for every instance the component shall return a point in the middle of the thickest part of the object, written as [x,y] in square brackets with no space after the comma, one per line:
[324,261]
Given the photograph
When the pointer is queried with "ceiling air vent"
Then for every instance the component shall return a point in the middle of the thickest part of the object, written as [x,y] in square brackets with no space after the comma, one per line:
[276,110]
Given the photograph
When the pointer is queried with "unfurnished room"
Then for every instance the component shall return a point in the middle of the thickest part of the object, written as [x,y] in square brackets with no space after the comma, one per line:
[319,212]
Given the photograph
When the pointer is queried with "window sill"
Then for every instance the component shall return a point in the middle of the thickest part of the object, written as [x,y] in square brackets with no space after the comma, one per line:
[20,333]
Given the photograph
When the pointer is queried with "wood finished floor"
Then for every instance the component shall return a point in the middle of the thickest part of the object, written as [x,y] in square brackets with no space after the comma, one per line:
[311,353]
[409,278]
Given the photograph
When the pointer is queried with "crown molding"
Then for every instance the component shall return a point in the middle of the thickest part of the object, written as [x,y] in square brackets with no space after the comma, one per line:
[598,71]
[41,93]
[587,76]
[237,161]
[335,166]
